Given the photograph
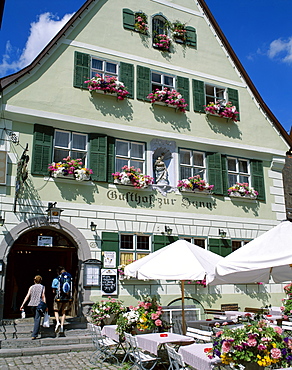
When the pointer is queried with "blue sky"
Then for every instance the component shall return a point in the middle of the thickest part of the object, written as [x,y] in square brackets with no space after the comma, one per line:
[259,31]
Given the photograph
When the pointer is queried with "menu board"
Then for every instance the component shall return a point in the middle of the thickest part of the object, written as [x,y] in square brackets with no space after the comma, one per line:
[109,280]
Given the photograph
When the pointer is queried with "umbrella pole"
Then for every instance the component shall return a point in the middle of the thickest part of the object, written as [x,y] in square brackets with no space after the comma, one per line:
[183,307]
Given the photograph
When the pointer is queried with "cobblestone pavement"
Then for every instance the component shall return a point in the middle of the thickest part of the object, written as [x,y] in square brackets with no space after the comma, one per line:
[69,360]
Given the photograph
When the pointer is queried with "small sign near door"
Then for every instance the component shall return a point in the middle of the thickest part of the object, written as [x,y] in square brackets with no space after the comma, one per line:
[45,241]
[109,260]
[109,281]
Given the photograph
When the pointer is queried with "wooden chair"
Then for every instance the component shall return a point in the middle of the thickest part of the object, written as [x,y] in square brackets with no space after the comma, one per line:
[287,327]
[105,347]
[176,361]
[137,356]
[200,336]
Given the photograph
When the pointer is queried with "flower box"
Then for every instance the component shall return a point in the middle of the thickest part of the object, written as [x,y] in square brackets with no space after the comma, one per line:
[162,42]
[194,184]
[108,85]
[242,190]
[132,177]
[245,196]
[196,191]
[169,98]
[70,169]
[223,110]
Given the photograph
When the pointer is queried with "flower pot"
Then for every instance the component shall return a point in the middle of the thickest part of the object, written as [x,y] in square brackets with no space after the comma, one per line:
[238,195]
[135,331]
[196,191]
[253,366]
[110,320]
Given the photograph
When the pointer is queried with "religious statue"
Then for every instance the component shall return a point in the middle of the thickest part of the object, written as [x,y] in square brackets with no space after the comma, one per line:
[160,170]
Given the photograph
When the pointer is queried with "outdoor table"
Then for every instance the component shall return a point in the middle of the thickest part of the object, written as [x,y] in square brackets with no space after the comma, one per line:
[237,314]
[199,324]
[153,341]
[273,318]
[110,331]
[195,356]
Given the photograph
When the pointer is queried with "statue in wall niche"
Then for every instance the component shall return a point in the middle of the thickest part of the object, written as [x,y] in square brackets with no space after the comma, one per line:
[160,169]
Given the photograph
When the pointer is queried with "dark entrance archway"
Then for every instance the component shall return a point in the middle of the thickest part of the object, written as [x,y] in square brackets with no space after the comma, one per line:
[27,259]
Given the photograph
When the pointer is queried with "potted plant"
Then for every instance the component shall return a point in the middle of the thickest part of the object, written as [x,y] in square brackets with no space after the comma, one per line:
[242,190]
[179,32]
[221,109]
[106,312]
[133,177]
[169,97]
[141,24]
[254,345]
[162,42]
[145,317]
[109,85]
[70,168]
[194,184]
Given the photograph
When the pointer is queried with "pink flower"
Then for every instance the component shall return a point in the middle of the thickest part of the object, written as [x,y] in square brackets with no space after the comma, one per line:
[278,330]
[252,342]
[154,316]
[226,346]
[158,322]
[276,353]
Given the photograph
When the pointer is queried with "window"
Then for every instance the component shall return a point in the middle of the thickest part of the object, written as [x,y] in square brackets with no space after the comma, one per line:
[158,25]
[103,67]
[236,244]
[238,171]
[133,247]
[160,81]
[71,144]
[214,94]
[130,153]
[192,163]
[197,241]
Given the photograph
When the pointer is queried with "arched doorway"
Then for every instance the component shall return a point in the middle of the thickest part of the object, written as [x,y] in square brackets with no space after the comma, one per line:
[28,258]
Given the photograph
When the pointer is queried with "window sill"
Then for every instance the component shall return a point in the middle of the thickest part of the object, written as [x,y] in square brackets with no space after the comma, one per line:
[101,92]
[197,192]
[68,180]
[218,115]
[245,198]
[167,105]
[118,185]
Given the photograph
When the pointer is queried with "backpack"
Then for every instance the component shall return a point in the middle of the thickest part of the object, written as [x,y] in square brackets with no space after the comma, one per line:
[64,291]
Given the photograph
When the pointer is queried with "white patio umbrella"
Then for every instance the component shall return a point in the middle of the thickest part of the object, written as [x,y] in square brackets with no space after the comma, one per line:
[180,260]
[269,255]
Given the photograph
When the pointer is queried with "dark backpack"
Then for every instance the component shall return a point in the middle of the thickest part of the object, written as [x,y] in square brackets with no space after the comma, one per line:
[64,292]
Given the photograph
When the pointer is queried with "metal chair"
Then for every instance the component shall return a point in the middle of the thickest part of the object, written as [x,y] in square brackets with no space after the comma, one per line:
[287,327]
[137,356]
[106,348]
[176,361]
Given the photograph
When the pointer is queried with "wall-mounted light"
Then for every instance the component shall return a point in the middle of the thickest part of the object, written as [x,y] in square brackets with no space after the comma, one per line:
[54,213]
[2,220]
[168,230]
[222,233]
[93,226]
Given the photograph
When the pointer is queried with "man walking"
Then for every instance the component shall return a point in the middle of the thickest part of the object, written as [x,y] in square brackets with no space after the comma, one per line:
[62,288]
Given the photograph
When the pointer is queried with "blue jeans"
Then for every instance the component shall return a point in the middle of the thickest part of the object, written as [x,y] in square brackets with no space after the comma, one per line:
[37,321]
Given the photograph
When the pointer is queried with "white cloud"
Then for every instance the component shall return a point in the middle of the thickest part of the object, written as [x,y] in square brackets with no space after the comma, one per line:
[281,49]
[41,32]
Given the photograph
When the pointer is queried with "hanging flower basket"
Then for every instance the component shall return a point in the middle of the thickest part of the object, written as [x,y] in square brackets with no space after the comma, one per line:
[133,177]
[194,184]
[70,168]
[242,190]
[109,85]
[168,97]
[162,42]
[221,109]
[141,24]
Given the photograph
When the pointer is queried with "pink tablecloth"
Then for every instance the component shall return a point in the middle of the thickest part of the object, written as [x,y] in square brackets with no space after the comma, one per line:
[151,342]
[110,331]
[195,356]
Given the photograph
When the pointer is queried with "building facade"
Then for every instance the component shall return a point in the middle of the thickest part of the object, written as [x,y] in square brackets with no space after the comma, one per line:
[186,129]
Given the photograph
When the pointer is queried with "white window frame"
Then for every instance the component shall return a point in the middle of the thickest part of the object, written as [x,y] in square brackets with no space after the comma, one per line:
[162,82]
[192,165]
[129,157]
[193,239]
[214,98]
[237,173]
[135,251]
[103,72]
[70,145]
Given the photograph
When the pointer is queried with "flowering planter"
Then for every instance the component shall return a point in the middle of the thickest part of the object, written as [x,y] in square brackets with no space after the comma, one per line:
[71,177]
[253,366]
[136,331]
[240,196]
[127,183]
[196,191]
[110,320]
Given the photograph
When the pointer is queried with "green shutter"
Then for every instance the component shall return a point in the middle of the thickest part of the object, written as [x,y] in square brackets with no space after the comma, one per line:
[199,96]
[222,247]
[224,174]
[128,19]
[160,241]
[110,158]
[98,156]
[127,77]
[42,149]
[183,88]
[233,97]
[143,82]
[257,178]
[191,37]
[110,243]
[215,172]
[81,69]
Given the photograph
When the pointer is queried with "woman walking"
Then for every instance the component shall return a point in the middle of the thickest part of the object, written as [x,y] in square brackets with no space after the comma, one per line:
[36,292]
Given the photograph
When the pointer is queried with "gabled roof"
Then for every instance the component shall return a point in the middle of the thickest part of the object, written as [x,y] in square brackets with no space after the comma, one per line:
[8,80]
